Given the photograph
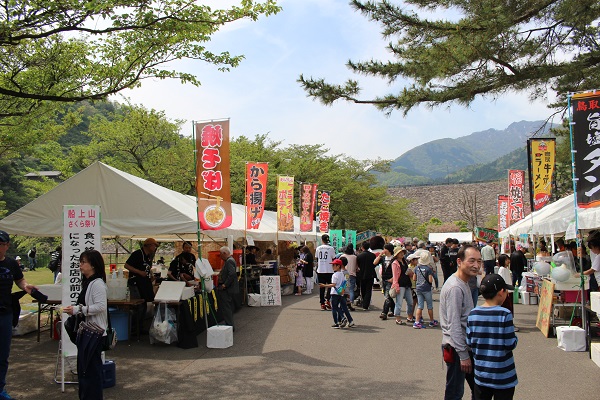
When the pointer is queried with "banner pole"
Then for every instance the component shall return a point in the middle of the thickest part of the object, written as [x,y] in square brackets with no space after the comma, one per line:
[575,209]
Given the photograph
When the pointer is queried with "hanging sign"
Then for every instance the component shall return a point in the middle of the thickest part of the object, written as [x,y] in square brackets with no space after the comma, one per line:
[323,213]
[516,186]
[212,175]
[586,146]
[308,199]
[541,154]
[285,203]
[502,212]
[256,189]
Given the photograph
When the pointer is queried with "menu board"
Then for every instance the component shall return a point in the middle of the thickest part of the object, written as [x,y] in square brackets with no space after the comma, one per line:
[545,308]
[270,291]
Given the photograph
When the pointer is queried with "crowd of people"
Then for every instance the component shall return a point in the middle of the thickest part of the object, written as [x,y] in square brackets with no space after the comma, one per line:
[407,273]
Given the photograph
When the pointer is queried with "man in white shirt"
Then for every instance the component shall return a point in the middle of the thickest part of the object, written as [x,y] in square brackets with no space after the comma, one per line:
[324,255]
[488,254]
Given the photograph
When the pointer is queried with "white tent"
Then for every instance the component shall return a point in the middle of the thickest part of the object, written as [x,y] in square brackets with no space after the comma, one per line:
[132,207]
[441,237]
[554,219]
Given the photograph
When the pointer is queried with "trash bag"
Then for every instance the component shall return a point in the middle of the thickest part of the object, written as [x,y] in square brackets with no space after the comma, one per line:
[164,327]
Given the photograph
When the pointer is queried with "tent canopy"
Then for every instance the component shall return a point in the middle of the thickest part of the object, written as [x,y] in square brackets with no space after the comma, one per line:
[133,207]
[554,219]
[441,237]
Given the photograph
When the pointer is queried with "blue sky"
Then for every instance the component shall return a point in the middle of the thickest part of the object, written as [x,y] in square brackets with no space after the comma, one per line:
[315,38]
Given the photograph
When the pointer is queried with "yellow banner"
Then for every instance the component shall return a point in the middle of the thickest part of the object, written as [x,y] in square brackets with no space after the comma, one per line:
[285,203]
[542,156]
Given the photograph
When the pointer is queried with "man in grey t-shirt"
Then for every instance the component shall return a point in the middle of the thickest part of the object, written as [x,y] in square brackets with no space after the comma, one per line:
[455,304]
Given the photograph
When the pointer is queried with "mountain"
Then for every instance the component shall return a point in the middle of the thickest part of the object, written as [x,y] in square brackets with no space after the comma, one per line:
[479,153]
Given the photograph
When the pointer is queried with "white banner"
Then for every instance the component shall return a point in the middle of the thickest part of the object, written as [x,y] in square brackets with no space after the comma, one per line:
[81,231]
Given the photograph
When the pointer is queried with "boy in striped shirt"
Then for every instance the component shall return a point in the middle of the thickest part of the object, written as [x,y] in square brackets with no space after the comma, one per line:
[491,336]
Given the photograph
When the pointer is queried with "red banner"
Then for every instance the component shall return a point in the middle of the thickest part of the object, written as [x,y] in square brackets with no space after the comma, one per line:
[516,186]
[308,197]
[323,213]
[256,193]
[502,212]
[212,175]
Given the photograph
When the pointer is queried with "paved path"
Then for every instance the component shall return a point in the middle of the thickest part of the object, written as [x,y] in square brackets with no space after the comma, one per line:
[291,352]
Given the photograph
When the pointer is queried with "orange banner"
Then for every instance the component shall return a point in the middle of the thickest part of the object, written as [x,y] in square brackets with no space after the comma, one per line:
[212,175]
[308,198]
[285,203]
[256,193]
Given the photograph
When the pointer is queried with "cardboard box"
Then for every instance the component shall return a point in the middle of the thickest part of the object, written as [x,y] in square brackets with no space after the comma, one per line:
[571,338]
[596,353]
[219,337]
[253,300]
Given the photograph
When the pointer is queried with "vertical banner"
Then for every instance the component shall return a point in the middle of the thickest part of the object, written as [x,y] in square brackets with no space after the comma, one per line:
[336,239]
[516,186]
[351,238]
[502,212]
[586,143]
[256,191]
[212,175]
[285,203]
[81,231]
[323,215]
[541,154]
[307,206]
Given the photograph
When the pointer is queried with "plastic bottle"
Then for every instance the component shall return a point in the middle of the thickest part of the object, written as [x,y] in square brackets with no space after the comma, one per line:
[127,296]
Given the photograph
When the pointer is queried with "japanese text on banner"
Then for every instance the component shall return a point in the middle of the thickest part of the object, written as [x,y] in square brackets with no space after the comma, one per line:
[256,189]
[285,203]
[516,186]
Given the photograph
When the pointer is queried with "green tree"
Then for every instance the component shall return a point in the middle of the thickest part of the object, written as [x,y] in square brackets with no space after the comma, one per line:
[69,51]
[142,142]
[490,48]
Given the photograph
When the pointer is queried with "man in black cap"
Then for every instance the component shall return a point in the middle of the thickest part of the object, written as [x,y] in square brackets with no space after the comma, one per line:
[9,273]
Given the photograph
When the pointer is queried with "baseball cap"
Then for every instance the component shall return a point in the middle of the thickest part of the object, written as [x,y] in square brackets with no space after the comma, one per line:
[4,238]
[337,261]
[493,283]
[17,258]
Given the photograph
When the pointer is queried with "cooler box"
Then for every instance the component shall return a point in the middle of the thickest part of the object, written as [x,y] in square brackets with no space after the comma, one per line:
[219,337]
[109,374]
[571,338]
[119,320]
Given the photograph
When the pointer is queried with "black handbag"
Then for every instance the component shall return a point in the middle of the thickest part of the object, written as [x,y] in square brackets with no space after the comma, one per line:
[110,340]
[72,326]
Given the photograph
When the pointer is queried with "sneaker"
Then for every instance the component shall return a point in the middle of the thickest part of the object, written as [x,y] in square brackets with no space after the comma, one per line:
[5,395]
[383,316]
[335,326]
[351,308]
[391,314]
[323,308]
[410,320]
[328,305]
[417,325]
[400,322]
[344,323]
[351,325]
[433,324]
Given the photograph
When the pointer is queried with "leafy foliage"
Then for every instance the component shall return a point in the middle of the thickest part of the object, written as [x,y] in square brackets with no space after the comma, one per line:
[491,48]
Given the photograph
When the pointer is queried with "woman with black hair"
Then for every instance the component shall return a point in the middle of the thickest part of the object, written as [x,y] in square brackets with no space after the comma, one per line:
[92,303]
[593,242]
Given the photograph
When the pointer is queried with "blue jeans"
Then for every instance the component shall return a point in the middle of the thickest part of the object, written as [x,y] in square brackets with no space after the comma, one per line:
[336,308]
[475,295]
[5,339]
[405,293]
[455,380]
[423,297]
[32,263]
[351,287]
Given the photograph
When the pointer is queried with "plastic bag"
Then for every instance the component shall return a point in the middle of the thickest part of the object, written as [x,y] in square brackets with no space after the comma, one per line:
[163,328]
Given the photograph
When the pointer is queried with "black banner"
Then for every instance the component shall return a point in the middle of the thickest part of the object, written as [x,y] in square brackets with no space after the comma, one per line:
[586,143]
